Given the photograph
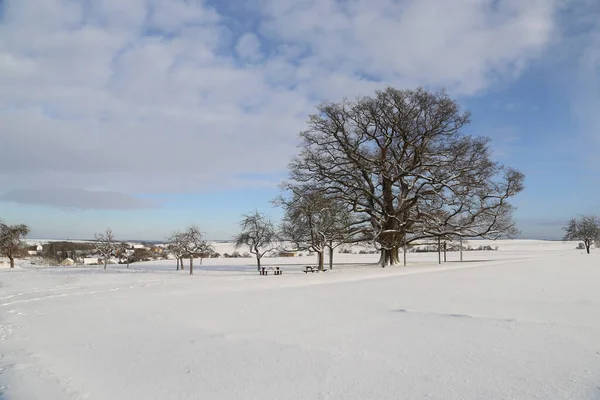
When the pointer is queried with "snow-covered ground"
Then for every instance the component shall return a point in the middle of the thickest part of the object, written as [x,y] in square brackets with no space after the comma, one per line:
[519,323]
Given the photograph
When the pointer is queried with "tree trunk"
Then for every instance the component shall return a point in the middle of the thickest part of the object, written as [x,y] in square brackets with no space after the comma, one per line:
[181,264]
[177,258]
[445,248]
[404,253]
[461,250]
[587,246]
[389,257]
[191,265]
[105,262]
[439,250]
[320,260]
[258,262]
[12,261]
[330,255]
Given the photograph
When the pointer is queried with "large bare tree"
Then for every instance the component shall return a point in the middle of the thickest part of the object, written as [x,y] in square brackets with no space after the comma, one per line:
[258,233]
[585,228]
[11,240]
[400,160]
[106,245]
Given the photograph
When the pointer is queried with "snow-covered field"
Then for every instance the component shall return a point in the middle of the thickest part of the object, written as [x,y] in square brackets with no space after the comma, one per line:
[519,323]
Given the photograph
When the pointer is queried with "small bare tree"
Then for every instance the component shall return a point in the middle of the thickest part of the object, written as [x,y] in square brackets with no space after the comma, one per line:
[105,244]
[10,240]
[123,252]
[585,228]
[314,221]
[195,246]
[258,233]
[177,247]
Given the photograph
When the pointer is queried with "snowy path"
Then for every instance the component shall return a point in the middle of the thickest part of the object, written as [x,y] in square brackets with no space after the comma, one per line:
[513,328]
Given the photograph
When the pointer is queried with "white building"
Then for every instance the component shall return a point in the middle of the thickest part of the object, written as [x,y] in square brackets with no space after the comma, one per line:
[90,261]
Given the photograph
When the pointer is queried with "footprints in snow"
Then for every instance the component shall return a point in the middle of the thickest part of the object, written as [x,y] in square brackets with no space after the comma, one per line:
[452,315]
[16,298]
[5,332]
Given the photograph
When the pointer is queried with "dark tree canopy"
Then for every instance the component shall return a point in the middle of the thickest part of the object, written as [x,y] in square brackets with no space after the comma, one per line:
[400,160]
[585,228]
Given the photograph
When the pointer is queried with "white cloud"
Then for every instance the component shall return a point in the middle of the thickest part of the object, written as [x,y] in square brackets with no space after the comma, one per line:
[109,95]
[78,199]
[465,44]
[587,89]
[170,15]
[248,47]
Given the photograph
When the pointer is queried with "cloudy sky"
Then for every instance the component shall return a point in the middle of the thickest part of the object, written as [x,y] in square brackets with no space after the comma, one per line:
[150,115]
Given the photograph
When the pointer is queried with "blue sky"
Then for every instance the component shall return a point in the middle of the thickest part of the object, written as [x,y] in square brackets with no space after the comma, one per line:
[150,115]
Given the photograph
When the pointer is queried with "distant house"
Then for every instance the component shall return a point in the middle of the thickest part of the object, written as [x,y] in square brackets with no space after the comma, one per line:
[138,246]
[287,254]
[32,252]
[90,261]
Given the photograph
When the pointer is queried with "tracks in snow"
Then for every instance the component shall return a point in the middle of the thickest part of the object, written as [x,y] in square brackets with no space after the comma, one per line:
[72,290]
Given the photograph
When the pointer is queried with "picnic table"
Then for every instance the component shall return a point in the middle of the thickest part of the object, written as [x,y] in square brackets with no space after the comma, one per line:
[265,270]
[310,268]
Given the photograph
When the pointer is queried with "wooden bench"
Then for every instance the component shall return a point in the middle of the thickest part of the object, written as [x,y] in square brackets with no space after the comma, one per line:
[265,270]
[310,268]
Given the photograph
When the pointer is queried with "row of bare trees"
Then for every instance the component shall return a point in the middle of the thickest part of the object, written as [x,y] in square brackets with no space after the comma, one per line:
[390,169]
[182,244]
